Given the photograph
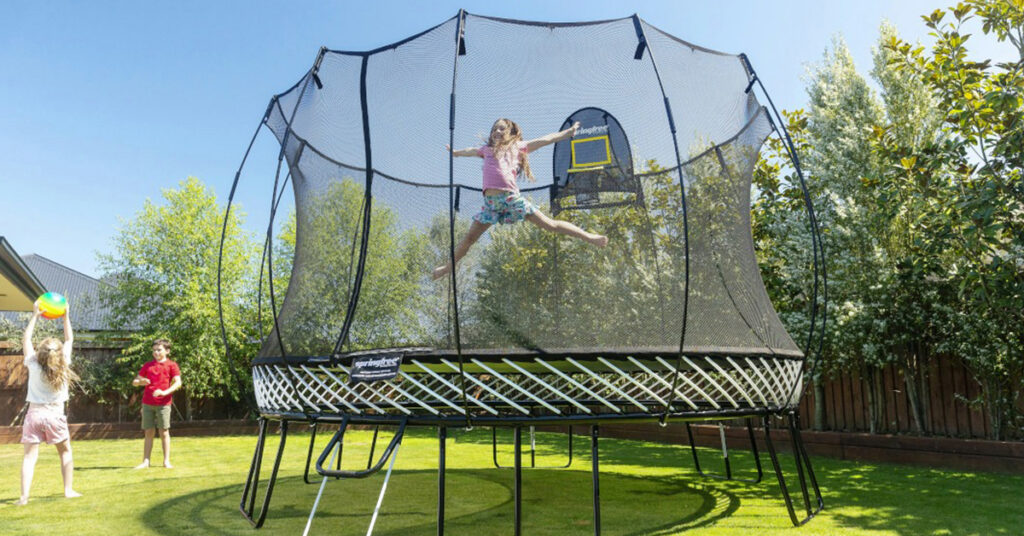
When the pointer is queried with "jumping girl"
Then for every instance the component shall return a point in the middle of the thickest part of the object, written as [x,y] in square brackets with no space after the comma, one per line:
[504,157]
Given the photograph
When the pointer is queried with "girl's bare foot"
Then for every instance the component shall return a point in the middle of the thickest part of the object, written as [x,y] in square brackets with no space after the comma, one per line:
[439,272]
[598,240]
[167,465]
[22,501]
[71,494]
[143,465]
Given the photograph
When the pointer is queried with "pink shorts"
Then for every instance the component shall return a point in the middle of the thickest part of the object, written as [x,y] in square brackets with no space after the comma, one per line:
[44,425]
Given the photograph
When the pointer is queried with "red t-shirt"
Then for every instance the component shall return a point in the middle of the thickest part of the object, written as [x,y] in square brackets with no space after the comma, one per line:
[159,374]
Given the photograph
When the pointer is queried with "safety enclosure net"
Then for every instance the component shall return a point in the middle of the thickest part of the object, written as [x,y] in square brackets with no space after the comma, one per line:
[661,165]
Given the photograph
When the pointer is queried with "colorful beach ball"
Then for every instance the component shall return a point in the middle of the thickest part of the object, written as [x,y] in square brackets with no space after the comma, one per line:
[52,305]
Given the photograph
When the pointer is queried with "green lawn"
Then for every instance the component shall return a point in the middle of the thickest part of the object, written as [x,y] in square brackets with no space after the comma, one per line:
[646,488]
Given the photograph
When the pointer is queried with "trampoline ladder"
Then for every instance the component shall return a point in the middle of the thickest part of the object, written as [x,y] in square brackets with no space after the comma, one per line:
[391,451]
[312,441]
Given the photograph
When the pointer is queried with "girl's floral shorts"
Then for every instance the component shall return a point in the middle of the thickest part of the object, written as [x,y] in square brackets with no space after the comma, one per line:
[505,208]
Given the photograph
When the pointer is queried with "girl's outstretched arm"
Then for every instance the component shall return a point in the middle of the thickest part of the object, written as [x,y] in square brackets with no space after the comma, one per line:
[537,143]
[26,341]
[471,151]
[69,336]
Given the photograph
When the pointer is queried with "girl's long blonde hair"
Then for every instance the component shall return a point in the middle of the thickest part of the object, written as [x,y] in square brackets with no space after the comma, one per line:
[513,135]
[56,371]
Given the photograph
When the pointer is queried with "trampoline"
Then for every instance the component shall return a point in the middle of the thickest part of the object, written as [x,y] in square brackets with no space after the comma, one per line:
[669,323]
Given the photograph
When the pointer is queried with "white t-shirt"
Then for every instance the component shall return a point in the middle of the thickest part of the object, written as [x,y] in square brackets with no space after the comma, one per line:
[40,392]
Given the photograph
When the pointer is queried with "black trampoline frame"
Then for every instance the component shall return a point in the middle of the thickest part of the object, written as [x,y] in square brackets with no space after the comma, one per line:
[816,331]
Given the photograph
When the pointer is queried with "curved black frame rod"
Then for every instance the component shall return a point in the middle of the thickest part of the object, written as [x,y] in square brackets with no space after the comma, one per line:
[304,82]
[641,47]
[220,260]
[252,480]
[817,246]
[460,50]
[267,251]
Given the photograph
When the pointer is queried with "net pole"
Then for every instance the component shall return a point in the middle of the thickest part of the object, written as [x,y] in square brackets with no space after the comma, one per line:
[270,277]
[281,156]
[270,225]
[460,49]
[817,246]
[643,44]
[357,285]
[267,244]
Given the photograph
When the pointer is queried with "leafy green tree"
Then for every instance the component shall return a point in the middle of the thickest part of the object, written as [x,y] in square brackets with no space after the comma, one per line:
[974,213]
[163,283]
[843,110]
[320,270]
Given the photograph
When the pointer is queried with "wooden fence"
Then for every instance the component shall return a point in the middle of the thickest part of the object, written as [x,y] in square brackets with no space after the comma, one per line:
[83,409]
[950,385]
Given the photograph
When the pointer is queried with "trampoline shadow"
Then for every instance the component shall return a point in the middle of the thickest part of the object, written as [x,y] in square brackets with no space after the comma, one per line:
[556,502]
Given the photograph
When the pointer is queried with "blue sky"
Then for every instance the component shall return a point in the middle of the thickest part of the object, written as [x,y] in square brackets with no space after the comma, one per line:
[104,104]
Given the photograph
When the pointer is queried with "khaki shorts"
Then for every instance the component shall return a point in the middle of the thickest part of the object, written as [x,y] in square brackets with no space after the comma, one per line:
[156,417]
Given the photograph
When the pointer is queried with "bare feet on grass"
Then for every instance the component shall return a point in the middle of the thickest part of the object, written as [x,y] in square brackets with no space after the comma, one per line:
[71,494]
[143,465]
[22,501]
[167,465]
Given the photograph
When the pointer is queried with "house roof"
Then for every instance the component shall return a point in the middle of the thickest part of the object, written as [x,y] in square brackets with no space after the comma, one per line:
[19,286]
[82,292]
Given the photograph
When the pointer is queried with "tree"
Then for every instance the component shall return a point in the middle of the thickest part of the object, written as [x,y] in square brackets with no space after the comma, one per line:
[976,215]
[843,110]
[163,283]
[320,270]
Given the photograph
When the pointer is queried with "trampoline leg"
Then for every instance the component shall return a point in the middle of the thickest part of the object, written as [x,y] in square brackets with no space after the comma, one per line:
[725,455]
[254,469]
[252,482]
[494,447]
[597,488]
[801,458]
[309,454]
[518,487]
[794,425]
[373,447]
[442,435]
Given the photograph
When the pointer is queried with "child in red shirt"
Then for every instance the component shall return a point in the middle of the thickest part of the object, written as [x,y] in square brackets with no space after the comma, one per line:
[160,377]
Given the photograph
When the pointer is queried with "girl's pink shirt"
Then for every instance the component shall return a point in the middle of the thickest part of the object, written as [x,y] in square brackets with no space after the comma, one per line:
[500,173]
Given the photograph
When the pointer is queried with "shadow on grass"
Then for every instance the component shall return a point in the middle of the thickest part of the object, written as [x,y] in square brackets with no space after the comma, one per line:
[477,501]
[900,499]
[915,500]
